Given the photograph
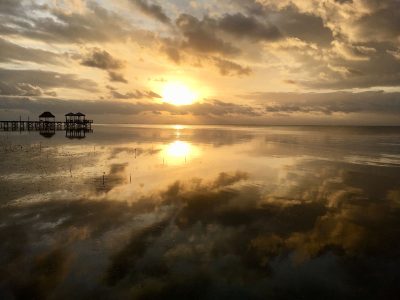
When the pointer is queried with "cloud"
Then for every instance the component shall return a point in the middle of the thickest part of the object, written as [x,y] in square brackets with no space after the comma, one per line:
[377,102]
[135,248]
[172,53]
[205,35]
[395,53]
[101,59]
[17,79]
[13,52]
[306,27]
[106,182]
[227,67]
[152,10]
[380,24]
[116,77]
[351,41]
[342,66]
[135,95]
[242,26]
[207,108]
[331,45]
[289,21]
[20,89]
[201,36]
[95,23]
[228,236]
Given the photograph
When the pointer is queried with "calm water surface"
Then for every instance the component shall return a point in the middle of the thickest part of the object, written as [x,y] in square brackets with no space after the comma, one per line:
[178,212]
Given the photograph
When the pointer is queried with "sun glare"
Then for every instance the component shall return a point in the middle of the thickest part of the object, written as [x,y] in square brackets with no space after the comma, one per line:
[179,152]
[178,149]
[178,94]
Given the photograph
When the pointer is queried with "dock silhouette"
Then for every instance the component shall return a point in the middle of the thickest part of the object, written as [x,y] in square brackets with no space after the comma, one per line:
[73,121]
[75,125]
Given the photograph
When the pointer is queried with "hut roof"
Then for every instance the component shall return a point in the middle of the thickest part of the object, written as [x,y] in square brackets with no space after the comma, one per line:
[47,114]
[70,114]
[79,114]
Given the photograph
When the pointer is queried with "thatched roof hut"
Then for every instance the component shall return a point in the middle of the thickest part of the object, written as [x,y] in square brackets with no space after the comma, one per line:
[46,116]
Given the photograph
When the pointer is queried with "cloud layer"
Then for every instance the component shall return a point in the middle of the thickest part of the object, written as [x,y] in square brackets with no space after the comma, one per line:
[233,47]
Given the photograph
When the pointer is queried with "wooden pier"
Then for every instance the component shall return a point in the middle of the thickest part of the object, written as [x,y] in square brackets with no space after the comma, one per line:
[47,122]
[43,125]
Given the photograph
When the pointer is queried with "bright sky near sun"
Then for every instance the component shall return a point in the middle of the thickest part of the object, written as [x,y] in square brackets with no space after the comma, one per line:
[178,94]
[228,61]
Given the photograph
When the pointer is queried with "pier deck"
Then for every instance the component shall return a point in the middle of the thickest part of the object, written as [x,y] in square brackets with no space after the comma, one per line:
[44,125]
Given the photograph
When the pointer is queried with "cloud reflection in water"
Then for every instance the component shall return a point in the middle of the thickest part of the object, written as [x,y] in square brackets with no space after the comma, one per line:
[267,213]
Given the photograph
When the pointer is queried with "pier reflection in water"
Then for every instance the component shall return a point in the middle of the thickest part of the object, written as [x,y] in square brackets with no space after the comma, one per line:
[69,133]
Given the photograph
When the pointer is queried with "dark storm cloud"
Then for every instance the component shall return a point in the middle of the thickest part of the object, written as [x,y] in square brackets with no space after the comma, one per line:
[243,26]
[153,10]
[11,52]
[101,59]
[208,108]
[378,102]
[16,79]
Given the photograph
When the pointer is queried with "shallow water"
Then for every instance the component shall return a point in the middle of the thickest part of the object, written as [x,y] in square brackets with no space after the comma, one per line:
[202,212]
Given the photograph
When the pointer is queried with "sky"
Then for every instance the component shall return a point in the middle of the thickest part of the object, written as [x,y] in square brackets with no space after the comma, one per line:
[256,62]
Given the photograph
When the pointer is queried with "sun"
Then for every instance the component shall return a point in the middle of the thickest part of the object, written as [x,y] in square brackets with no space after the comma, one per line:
[177,93]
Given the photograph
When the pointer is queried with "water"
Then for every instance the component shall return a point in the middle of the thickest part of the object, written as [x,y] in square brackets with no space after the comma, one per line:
[202,212]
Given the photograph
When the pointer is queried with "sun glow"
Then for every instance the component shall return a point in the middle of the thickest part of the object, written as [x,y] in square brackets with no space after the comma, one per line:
[178,94]
[179,152]
[178,149]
